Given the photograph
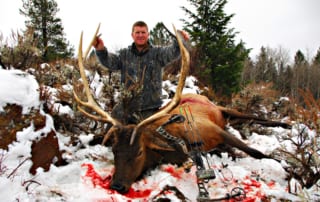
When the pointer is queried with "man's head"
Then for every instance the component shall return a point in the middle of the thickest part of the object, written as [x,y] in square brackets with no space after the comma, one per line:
[140,33]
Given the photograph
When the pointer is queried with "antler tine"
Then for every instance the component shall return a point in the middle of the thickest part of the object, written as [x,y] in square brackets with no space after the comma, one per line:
[91,103]
[185,65]
[91,43]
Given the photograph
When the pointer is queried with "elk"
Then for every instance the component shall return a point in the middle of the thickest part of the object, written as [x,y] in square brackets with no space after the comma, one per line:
[140,147]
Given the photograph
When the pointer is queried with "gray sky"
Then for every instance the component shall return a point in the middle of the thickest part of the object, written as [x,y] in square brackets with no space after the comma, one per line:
[289,24]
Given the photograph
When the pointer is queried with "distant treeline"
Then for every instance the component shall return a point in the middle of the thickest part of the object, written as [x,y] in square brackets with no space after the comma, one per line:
[272,65]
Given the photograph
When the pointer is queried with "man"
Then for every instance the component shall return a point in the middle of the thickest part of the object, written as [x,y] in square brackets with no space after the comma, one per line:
[141,67]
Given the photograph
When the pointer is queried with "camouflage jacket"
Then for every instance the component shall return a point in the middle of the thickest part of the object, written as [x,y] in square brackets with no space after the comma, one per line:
[145,67]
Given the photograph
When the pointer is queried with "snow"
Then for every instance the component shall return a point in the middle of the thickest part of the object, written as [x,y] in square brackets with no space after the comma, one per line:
[19,88]
[74,182]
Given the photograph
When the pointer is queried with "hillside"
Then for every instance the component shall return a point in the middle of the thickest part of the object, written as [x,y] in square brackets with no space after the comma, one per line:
[45,153]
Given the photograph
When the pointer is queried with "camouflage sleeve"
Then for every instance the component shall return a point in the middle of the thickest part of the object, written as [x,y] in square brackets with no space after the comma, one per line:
[108,60]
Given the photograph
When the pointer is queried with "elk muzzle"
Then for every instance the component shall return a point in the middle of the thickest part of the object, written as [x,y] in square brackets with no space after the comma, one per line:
[119,187]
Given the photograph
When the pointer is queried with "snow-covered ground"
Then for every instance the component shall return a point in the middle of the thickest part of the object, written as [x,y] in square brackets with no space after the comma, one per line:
[87,176]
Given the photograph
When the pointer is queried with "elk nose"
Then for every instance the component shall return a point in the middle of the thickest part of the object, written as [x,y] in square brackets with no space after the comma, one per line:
[119,188]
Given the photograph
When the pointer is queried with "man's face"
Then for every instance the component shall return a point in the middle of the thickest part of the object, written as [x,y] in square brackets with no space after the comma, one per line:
[140,35]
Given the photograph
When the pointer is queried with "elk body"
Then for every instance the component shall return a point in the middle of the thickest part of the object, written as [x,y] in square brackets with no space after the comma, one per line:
[149,149]
[138,148]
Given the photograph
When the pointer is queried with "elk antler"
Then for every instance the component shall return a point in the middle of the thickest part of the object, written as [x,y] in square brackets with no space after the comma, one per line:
[185,65]
[91,103]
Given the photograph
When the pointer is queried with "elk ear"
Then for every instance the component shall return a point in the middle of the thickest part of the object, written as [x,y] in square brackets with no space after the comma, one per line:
[155,142]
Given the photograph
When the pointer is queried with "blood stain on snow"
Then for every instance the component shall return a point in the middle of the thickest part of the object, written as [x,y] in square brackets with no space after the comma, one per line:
[104,183]
[96,179]
[272,184]
[177,173]
[251,186]
[252,190]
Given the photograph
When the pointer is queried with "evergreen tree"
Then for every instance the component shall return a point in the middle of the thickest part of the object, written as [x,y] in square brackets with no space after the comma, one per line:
[261,65]
[265,65]
[220,59]
[287,87]
[248,73]
[41,16]
[159,35]
[315,75]
[300,79]
[299,58]
[316,59]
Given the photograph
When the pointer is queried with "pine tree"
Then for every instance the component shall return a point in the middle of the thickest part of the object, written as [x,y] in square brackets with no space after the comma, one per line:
[48,29]
[159,35]
[300,79]
[220,58]
[265,65]
[316,59]
[299,58]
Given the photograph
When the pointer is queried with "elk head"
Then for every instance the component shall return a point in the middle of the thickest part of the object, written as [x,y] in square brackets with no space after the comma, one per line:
[132,144]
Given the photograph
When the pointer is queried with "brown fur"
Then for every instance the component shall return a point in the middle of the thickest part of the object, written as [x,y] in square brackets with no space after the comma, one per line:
[150,149]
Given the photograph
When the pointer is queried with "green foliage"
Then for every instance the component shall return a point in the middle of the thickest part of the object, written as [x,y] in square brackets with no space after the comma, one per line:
[220,59]
[266,66]
[299,58]
[159,35]
[41,16]
[316,59]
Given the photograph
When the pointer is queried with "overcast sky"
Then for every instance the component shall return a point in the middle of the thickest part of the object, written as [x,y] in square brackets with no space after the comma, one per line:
[291,24]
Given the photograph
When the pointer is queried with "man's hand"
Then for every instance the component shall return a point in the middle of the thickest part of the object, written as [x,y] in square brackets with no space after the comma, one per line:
[184,34]
[98,43]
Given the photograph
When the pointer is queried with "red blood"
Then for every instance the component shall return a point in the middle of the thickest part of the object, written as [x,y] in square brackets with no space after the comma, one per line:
[251,182]
[271,184]
[96,179]
[138,193]
[174,172]
[260,195]
[104,183]
[249,185]
[249,199]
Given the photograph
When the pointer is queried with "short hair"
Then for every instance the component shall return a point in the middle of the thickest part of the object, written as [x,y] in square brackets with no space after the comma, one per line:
[139,24]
